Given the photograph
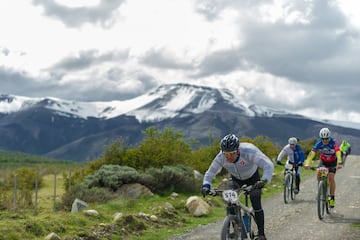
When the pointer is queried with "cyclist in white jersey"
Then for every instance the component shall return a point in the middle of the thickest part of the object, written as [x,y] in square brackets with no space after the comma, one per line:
[295,155]
[242,161]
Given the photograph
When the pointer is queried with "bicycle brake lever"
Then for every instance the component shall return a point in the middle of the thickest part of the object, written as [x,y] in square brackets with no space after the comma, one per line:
[212,193]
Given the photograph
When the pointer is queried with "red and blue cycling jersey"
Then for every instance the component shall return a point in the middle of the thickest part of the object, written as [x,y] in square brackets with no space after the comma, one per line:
[328,150]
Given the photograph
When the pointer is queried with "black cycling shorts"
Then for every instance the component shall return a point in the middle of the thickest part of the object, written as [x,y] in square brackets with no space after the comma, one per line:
[330,165]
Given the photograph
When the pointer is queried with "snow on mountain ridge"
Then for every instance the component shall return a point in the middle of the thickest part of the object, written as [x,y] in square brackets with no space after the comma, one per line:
[167,101]
[175,100]
[265,111]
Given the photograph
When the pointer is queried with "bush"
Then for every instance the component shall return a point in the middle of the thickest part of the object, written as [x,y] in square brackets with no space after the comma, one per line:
[86,194]
[173,178]
[113,177]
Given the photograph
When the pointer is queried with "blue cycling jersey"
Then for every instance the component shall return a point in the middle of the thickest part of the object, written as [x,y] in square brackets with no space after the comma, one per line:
[328,150]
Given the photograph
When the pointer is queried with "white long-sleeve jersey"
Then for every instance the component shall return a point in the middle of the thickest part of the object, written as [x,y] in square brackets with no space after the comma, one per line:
[249,160]
[286,151]
[293,156]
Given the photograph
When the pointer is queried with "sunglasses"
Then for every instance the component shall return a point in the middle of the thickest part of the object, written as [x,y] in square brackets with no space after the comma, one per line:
[325,139]
[230,154]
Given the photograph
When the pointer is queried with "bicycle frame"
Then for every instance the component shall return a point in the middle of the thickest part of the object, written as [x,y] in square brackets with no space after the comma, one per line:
[234,226]
[323,192]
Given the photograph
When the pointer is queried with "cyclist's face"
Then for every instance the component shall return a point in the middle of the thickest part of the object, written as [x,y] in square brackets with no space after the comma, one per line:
[292,146]
[325,140]
[231,156]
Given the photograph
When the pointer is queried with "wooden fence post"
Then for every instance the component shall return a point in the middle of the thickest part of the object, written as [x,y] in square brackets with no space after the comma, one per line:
[36,190]
[15,190]
[54,206]
[69,179]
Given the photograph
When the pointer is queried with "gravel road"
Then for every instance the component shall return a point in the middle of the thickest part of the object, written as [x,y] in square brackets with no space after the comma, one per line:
[298,219]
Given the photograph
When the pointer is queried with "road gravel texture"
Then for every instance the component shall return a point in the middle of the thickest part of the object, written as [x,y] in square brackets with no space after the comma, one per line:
[298,219]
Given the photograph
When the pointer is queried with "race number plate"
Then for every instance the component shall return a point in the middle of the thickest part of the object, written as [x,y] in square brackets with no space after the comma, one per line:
[230,195]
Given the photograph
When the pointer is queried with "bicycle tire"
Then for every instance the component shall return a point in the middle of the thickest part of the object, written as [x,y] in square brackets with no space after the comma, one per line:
[230,229]
[292,190]
[287,188]
[321,199]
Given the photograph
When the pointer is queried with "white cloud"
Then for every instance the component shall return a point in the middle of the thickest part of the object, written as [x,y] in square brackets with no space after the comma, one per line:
[78,3]
[284,54]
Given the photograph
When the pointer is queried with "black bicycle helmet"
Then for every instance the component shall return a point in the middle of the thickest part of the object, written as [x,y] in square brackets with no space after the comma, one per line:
[229,143]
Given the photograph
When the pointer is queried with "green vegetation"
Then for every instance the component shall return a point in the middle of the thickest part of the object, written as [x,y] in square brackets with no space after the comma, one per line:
[13,160]
[163,162]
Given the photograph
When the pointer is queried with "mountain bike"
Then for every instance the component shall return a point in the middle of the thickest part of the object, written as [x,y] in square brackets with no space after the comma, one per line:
[323,195]
[289,181]
[239,222]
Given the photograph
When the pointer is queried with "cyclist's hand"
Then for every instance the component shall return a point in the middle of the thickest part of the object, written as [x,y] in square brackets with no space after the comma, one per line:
[306,166]
[279,163]
[205,189]
[259,184]
[300,164]
[339,166]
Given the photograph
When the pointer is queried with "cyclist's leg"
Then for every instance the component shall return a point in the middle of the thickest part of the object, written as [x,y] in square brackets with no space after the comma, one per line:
[332,184]
[297,179]
[255,198]
[332,171]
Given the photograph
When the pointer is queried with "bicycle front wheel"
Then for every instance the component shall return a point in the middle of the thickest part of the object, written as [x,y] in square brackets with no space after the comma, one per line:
[287,188]
[321,199]
[231,229]
[327,190]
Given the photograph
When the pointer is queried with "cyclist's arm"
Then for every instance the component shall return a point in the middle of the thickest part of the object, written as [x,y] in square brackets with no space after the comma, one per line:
[214,169]
[309,158]
[338,155]
[301,154]
[281,155]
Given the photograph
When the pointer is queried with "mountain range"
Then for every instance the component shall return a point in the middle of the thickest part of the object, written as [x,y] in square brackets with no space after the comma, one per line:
[79,131]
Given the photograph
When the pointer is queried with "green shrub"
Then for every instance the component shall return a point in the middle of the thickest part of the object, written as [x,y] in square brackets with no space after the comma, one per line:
[113,177]
[86,194]
[173,178]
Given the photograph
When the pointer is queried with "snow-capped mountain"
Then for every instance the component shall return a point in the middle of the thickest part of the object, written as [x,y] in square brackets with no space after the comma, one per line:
[78,131]
[167,101]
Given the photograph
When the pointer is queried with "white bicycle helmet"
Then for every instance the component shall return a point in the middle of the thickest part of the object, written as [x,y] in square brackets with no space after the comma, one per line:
[324,133]
[292,140]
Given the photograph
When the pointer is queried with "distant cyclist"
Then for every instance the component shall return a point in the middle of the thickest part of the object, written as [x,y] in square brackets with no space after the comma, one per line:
[345,149]
[330,157]
[295,155]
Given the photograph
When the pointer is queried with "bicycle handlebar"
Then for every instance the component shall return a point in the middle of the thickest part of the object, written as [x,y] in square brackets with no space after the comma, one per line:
[244,188]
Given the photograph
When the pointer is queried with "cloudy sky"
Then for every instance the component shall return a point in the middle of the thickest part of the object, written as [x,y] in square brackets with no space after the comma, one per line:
[292,55]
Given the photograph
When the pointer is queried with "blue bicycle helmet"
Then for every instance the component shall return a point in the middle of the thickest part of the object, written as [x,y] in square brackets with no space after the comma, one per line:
[229,143]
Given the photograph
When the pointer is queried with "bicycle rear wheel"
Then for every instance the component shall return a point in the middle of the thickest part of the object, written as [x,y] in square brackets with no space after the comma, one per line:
[287,188]
[321,199]
[231,230]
